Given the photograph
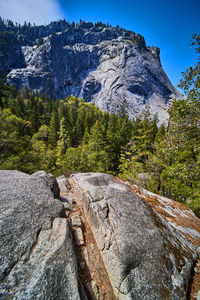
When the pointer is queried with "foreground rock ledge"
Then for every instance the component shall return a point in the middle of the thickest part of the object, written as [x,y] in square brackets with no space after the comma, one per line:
[37,260]
[145,257]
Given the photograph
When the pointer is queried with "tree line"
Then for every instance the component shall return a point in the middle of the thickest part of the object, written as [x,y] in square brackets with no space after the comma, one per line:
[67,136]
[72,136]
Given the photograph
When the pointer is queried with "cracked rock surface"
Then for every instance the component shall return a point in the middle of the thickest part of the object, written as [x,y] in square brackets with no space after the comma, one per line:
[37,260]
[145,257]
[101,241]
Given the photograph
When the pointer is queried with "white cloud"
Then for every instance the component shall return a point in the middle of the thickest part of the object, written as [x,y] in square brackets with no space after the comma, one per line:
[34,11]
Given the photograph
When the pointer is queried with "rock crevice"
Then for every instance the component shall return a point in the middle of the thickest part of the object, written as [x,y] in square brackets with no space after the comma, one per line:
[113,241]
[36,251]
[153,260]
[92,272]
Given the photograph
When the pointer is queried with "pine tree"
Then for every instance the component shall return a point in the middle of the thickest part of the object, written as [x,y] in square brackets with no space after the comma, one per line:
[14,141]
[5,89]
[63,142]
[98,160]
[54,127]
[191,77]
[44,157]
[78,130]
[134,158]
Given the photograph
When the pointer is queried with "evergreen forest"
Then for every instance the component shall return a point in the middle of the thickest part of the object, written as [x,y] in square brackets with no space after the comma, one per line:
[69,135]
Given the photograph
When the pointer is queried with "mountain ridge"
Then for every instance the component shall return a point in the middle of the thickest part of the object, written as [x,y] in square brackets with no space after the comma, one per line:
[99,63]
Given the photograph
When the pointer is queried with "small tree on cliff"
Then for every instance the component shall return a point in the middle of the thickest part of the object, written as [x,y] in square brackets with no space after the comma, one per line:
[191,77]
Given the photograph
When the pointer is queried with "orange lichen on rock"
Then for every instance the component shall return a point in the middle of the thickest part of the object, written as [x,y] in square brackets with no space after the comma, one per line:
[176,213]
[181,218]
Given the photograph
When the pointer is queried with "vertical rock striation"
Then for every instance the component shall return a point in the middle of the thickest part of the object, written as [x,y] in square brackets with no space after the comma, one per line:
[145,257]
[127,244]
[104,65]
[37,259]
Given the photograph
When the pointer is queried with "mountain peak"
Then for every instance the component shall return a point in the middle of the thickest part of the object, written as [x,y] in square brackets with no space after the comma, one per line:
[102,64]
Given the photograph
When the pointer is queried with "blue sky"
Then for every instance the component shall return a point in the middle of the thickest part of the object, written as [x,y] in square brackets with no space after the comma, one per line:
[168,25]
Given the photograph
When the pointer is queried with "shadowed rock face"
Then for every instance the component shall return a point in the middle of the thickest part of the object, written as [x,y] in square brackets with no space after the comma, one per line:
[36,254]
[145,257]
[103,65]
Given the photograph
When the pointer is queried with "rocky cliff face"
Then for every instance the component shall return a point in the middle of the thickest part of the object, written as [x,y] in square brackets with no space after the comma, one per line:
[102,239]
[37,259]
[105,65]
[144,256]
